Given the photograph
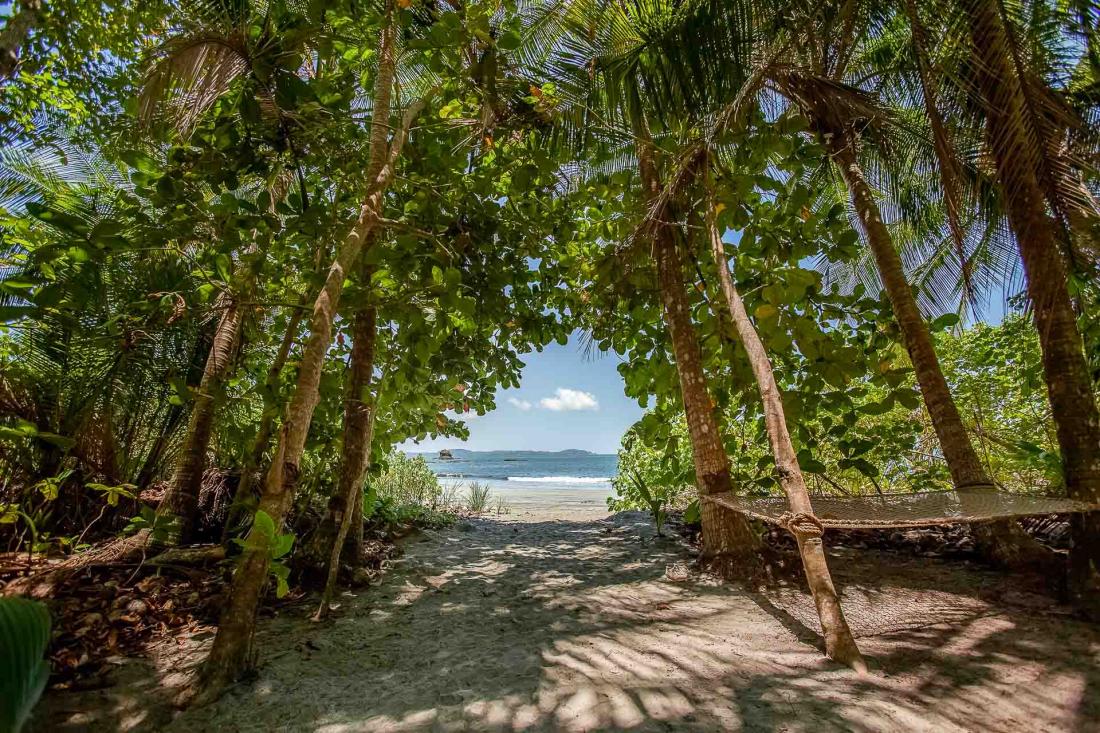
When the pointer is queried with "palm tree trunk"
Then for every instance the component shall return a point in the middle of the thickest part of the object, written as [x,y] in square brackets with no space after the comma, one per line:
[181,501]
[14,35]
[807,531]
[1002,542]
[232,650]
[358,431]
[1019,166]
[729,539]
[962,460]
[174,413]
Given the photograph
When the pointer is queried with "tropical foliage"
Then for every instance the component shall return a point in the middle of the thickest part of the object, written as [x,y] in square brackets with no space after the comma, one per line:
[247,249]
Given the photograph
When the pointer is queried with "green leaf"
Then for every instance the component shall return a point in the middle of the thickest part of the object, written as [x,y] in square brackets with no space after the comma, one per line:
[692,514]
[24,634]
[509,41]
[944,322]
[264,525]
[283,545]
[281,573]
[9,313]
[908,398]
[808,463]
[766,311]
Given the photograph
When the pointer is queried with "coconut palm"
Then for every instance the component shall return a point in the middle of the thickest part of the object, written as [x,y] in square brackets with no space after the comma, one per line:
[86,348]
[1024,141]
[640,66]
[604,54]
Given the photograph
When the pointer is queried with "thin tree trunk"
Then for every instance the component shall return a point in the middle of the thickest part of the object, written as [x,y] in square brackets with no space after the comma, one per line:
[181,501]
[271,403]
[807,530]
[729,539]
[232,650]
[267,420]
[358,431]
[1020,174]
[14,35]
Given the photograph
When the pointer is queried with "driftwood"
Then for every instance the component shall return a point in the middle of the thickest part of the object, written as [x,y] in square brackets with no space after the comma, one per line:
[197,555]
[42,585]
[121,551]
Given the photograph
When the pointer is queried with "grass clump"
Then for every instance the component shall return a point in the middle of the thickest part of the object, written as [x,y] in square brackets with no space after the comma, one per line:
[478,499]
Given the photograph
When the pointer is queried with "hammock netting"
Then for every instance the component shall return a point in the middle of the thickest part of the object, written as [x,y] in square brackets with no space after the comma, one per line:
[923,509]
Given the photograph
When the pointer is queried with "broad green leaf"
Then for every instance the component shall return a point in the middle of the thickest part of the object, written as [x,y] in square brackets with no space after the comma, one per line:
[24,634]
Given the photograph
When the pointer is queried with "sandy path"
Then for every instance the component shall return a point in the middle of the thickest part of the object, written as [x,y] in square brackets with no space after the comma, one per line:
[576,625]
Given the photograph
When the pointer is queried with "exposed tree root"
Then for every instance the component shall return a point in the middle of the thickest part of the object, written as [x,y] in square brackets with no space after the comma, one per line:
[120,550]
[1004,543]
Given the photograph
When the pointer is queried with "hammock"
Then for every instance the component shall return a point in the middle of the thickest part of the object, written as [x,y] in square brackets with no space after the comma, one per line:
[922,509]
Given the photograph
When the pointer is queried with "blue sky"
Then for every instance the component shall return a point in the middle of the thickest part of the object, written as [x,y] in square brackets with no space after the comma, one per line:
[566,399]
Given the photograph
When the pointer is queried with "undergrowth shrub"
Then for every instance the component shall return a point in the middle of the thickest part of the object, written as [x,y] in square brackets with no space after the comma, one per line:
[408,492]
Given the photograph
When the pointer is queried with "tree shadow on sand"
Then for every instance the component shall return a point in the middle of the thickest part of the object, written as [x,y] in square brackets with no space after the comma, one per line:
[575,626]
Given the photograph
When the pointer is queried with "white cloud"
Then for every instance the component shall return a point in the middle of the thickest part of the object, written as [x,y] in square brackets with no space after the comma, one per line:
[456,415]
[519,404]
[569,399]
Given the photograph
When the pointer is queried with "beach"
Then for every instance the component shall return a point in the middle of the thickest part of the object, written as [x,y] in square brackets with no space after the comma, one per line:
[532,485]
[574,624]
[535,501]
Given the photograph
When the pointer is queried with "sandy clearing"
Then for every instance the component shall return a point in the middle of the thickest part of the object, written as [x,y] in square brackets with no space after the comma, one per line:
[579,625]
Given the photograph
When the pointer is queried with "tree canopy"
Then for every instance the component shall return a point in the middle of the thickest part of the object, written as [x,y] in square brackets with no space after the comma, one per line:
[279,239]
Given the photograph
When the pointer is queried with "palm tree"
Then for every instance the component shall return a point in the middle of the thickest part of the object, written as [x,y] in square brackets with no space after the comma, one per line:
[1017,137]
[808,64]
[603,55]
[814,81]
[85,353]
[621,51]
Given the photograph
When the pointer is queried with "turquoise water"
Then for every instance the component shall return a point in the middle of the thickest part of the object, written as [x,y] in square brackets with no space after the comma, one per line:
[531,470]
[530,483]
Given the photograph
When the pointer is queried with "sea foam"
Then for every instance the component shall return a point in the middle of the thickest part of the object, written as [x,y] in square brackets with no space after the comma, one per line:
[562,479]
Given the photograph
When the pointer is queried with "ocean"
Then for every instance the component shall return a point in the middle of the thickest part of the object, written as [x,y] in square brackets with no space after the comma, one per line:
[523,479]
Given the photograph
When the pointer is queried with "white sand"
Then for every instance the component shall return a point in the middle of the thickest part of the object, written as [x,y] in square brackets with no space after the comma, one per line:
[595,625]
[534,504]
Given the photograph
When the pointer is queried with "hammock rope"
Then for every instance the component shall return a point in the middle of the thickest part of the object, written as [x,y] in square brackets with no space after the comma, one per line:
[921,509]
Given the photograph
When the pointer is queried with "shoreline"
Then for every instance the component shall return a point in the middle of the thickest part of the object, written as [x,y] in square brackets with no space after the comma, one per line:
[542,501]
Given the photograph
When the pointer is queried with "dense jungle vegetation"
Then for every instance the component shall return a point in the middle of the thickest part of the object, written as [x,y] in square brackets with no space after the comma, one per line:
[249,248]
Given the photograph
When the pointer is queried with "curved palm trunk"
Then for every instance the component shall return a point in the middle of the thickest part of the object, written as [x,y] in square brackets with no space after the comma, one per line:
[232,650]
[962,460]
[358,431]
[1003,542]
[181,501]
[1020,173]
[728,538]
[14,34]
[839,644]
